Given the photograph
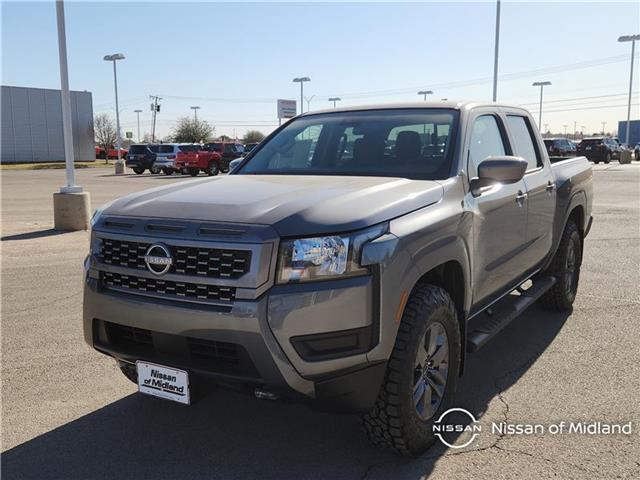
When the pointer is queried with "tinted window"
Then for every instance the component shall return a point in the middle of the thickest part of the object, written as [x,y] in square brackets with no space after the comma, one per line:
[486,139]
[188,148]
[165,148]
[154,148]
[523,140]
[591,141]
[413,143]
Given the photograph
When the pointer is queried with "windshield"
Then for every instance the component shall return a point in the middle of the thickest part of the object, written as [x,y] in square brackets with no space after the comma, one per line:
[409,143]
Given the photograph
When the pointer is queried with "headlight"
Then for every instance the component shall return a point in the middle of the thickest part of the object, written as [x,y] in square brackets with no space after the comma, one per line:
[324,257]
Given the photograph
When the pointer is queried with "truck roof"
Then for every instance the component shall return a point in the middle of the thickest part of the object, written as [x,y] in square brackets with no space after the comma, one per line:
[451,104]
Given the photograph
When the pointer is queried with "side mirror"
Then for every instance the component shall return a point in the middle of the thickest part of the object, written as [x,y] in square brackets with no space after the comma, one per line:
[498,169]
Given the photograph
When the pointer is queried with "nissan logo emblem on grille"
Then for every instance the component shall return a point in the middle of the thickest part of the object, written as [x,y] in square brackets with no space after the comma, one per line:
[158,259]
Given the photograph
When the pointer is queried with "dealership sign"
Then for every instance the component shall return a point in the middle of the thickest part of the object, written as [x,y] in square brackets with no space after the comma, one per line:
[286,108]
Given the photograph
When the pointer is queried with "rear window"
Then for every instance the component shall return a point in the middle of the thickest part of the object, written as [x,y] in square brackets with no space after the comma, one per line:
[591,141]
[138,149]
[165,148]
[215,147]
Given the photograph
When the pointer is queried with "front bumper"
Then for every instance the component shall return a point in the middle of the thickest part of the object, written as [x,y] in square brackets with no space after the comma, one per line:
[301,341]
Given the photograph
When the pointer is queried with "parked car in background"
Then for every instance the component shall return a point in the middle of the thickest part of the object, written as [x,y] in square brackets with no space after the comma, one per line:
[194,158]
[234,163]
[166,154]
[140,158]
[636,151]
[249,146]
[228,151]
[599,149]
[560,147]
[112,154]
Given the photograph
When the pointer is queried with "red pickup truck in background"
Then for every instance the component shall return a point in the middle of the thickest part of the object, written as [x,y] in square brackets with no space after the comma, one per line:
[193,158]
[113,153]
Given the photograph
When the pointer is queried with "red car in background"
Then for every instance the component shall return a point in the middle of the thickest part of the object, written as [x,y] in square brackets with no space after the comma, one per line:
[113,153]
[194,158]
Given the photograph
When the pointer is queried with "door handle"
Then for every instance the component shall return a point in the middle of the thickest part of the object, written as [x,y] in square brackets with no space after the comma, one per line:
[550,186]
[520,197]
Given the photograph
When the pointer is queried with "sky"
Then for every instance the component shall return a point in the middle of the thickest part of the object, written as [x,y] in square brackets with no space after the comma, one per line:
[234,60]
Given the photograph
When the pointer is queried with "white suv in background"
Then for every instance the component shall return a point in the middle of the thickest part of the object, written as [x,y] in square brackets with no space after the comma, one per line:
[166,154]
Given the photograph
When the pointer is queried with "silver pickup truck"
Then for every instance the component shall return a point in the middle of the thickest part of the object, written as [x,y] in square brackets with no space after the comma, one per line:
[354,259]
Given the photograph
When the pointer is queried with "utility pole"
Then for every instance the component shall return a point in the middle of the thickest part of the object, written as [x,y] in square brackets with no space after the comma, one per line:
[632,39]
[565,129]
[582,129]
[308,100]
[155,108]
[495,53]
[114,58]
[575,129]
[138,114]
[603,126]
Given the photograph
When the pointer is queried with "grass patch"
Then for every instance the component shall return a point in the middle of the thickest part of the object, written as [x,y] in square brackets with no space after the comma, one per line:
[53,165]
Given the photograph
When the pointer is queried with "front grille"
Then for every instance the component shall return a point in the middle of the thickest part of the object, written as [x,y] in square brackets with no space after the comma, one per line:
[206,262]
[178,290]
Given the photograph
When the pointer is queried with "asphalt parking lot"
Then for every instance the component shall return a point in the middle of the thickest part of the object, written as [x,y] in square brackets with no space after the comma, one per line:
[67,412]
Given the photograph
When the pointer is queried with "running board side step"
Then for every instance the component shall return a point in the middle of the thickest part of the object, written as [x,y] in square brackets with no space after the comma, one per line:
[489,323]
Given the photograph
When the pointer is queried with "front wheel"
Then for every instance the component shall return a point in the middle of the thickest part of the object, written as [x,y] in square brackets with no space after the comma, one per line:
[167,171]
[154,170]
[138,170]
[566,268]
[421,375]
[607,158]
[194,172]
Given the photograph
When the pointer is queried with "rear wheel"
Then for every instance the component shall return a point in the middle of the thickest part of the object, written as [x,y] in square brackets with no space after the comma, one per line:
[607,159]
[138,170]
[212,169]
[154,170]
[421,375]
[566,268]
[167,171]
[194,172]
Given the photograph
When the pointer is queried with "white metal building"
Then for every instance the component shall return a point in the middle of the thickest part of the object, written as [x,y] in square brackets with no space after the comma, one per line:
[31,125]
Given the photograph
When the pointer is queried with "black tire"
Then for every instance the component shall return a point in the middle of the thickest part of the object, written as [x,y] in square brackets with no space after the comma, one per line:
[212,169]
[129,371]
[596,162]
[138,170]
[155,170]
[394,421]
[566,268]
[167,171]
[607,159]
[194,172]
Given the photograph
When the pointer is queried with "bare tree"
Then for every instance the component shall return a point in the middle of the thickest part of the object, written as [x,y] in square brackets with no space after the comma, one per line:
[190,130]
[105,133]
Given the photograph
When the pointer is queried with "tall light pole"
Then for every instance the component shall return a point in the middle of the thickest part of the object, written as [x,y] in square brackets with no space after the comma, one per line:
[301,81]
[603,126]
[195,112]
[632,39]
[541,85]
[424,93]
[308,100]
[114,58]
[495,53]
[546,127]
[565,129]
[71,206]
[334,100]
[575,129]
[582,129]
[138,113]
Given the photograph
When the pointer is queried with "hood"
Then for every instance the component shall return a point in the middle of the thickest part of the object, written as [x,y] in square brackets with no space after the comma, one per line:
[292,204]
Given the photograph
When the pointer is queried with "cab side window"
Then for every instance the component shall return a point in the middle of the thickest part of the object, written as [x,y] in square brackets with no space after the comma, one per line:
[486,139]
[523,141]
